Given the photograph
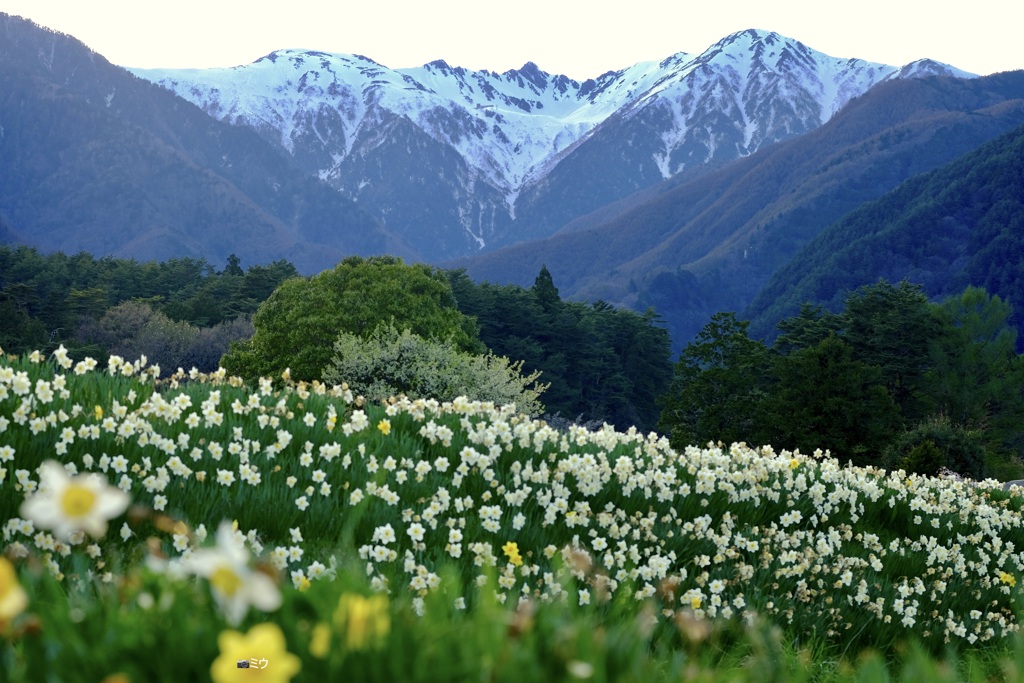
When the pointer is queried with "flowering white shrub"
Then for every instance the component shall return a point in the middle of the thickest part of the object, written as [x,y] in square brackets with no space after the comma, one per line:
[390,363]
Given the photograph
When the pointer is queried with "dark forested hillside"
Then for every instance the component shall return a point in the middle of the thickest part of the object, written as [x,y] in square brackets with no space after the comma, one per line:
[889,379]
[52,299]
[711,243]
[603,363]
[93,158]
[960,225]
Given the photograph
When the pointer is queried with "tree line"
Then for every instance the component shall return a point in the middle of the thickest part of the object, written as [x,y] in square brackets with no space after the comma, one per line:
[604,364]
[179,312]
[598,363]
[892,380]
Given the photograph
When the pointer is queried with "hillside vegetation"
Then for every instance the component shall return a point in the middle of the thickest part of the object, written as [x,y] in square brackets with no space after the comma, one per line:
[481,536]
[711,243]
[960,225]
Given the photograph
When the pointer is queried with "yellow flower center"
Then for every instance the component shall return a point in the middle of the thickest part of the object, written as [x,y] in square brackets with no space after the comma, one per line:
[78,501]
[226,580]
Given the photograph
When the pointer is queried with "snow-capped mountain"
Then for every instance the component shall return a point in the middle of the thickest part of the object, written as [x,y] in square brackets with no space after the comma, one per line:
[455,160]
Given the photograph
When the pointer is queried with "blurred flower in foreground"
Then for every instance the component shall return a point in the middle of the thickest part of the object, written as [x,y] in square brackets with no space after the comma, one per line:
[364,621]
[13,598]
[319,644]
[263,647]
[235,586]
[117,678]
[67,504]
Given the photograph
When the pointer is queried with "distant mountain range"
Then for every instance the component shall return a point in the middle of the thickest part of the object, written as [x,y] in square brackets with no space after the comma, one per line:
[455,161]
[93,158]
[693,246]
[685,184]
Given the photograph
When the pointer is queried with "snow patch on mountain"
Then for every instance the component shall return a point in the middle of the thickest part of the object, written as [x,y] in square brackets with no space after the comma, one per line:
[507,125]
[511,129]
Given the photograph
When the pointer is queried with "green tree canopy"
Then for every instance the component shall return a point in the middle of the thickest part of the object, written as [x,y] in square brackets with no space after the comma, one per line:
[719,389]
[826,399]
[602,363]
[297,326]
[49,300]
[545,291]
[976,377]
[934,444]
[809,328]
[972,361]
[892,326]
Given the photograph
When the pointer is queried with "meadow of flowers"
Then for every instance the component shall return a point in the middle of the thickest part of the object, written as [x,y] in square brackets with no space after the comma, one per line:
[160,528]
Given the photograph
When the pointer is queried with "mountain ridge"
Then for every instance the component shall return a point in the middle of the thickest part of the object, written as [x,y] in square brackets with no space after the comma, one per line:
[507,150]
[94,158]
[707,244]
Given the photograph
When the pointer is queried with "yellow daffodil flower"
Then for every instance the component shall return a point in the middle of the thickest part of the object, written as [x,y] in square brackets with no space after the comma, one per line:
[13,598]
[263,648]
[319,644]
[364,621]
[512,551]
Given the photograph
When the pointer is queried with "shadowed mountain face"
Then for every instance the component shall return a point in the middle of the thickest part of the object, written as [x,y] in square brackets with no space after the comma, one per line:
[711,243]
[959,225]
[458,161]
[93,158]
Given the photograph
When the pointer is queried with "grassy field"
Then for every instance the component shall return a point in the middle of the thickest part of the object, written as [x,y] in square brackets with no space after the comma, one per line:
[166,529]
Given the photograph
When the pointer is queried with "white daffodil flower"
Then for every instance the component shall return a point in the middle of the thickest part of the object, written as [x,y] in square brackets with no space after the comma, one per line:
[235,585]
[65,504]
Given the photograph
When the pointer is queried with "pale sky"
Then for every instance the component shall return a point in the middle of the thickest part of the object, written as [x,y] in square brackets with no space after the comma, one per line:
[581,39]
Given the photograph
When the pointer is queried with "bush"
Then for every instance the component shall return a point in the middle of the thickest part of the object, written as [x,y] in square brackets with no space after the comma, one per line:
[935,444]
[925,458]
[133,329]
[389,363]
[296,326]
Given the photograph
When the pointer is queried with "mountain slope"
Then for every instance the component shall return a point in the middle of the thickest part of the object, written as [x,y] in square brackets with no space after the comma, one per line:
[959,225]
[711,243]
[456,160]
[94,158]
[749,90]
